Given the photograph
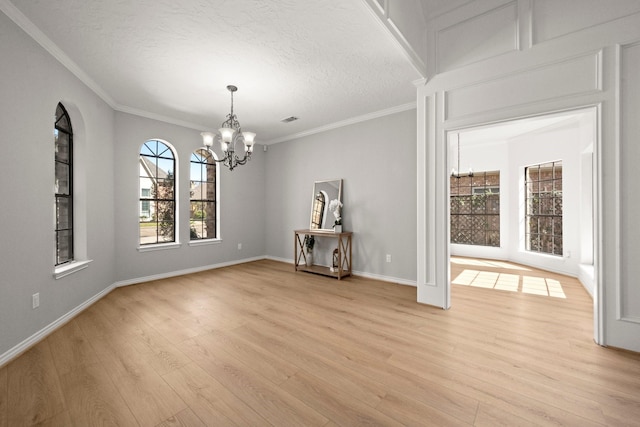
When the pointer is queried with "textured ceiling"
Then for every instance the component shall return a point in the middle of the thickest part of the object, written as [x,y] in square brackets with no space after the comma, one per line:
[322,61]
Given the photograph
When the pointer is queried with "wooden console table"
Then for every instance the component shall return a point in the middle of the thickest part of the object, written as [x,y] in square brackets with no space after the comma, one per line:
[344,253]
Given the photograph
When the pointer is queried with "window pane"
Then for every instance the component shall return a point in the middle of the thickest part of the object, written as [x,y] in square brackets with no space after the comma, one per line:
[475,209]
[196,173]
[62,178]
[62,119]
[165,189]
[165,167]
[196,231]
[196,191]
[148,232]
[62,146]
[63,213]
[165,229]
[165,211]
[64,245]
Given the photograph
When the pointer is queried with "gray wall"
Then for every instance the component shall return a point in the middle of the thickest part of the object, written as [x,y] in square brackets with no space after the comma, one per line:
[241,201]
[31,86]
[261,203]
[377,161]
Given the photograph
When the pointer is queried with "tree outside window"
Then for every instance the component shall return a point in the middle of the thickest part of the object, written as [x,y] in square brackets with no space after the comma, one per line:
[157,208]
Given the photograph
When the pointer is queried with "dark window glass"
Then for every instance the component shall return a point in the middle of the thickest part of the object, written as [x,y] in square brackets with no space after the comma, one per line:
[63,203]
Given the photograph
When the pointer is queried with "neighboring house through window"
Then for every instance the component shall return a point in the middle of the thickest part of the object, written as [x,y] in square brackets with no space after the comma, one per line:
[204,178]
[475,209]
[543,201]
[63,136]
[157,209]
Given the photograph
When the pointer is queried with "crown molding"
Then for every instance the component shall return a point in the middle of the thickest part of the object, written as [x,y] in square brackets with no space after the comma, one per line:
[382,17]
[351,121]
[160,117]
[34,32]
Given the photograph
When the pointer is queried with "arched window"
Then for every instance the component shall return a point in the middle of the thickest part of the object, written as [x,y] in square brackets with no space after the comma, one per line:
[63,136]
[157,209]
[203,218]
[318,210]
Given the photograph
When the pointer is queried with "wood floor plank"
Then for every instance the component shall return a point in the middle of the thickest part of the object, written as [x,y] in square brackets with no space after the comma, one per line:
[4,397]
[261,344]
[148,396]
[157,351]
[34,387]
[93,399]
[491,416]
[266,363]
[395,379]
[411,412]
[264,397]
[184,418]
[212,402]
[334,403]
[70,348]
[512,400]
[356,385]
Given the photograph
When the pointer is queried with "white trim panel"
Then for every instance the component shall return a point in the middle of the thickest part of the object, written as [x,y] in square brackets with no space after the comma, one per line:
[580,75]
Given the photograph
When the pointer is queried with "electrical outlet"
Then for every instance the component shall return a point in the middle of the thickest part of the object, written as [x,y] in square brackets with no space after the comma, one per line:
[239,246]
[388,257]
[35,300]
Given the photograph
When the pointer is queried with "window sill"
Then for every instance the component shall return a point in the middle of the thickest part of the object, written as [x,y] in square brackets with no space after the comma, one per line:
[72,267]
[205,242]
[159,247]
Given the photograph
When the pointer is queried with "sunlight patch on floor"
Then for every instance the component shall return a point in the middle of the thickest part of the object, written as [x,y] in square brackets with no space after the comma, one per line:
[510,282]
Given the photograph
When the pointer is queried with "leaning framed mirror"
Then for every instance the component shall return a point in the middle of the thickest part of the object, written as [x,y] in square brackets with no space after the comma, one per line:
[323,193]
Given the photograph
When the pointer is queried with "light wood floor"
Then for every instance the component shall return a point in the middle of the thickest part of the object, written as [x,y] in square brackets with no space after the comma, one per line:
[258,344]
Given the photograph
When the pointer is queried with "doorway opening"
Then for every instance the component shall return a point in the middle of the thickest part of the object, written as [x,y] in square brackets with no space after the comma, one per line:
[518,188]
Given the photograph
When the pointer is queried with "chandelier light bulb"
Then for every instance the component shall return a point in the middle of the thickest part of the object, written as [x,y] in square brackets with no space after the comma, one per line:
[207,139]
[248,140]
[227,134]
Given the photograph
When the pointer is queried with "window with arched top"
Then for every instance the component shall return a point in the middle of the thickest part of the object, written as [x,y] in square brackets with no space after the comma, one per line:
[157,208]
[318,210]
[203,196]
[63,137]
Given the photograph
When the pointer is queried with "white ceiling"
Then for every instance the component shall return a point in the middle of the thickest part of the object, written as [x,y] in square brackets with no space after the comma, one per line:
[322,61]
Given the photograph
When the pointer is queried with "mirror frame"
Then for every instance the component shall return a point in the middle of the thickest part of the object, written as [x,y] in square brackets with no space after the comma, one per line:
[316,189]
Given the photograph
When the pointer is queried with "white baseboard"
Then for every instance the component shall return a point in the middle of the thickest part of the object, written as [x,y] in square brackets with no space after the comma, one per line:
[360,273]
[587,278]
[389,279]
[185,271]
[50,328]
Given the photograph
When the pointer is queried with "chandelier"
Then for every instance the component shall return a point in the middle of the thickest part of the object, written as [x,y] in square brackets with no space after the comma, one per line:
[455,173]
[229,134]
